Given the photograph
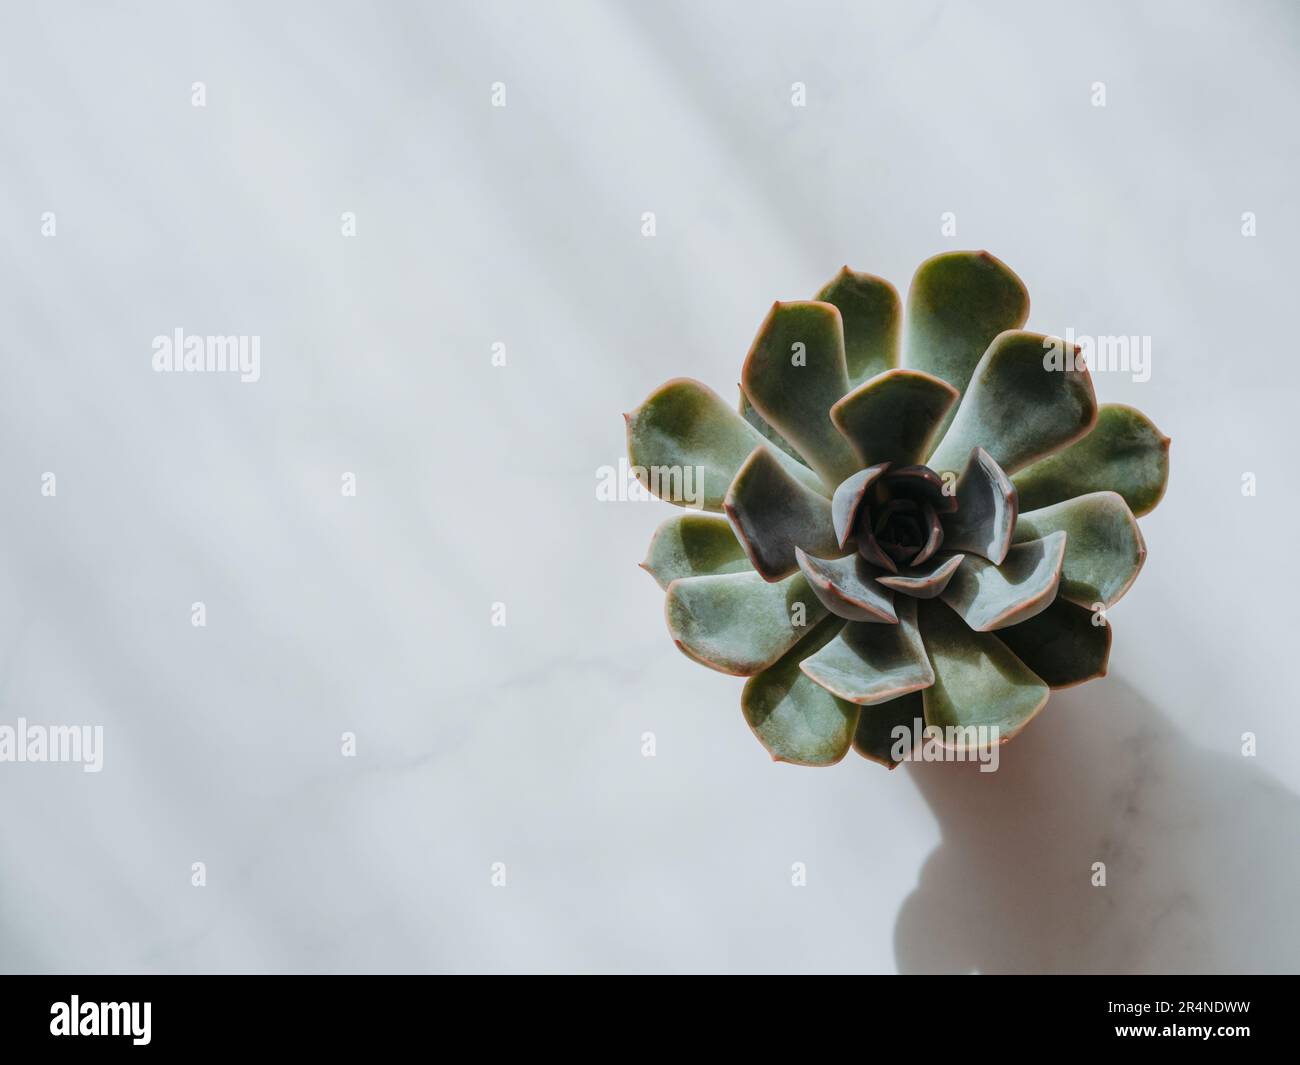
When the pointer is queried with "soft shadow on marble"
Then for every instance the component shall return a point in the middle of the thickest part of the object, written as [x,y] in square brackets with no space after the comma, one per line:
[1200,849]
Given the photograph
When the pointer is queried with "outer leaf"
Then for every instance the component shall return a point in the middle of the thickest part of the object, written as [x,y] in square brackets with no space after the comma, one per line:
[1124,453]
[793,373]
[738,623]
[894,416]
[985,519]
[875,737]
[693,545]
[989,597]
[755,419]
[771,514]
[1062,645]
[796,720]
[1105,550]
[683,425]
[959,301]
[869,663]
[1016,407]
[870,309]
[977,681]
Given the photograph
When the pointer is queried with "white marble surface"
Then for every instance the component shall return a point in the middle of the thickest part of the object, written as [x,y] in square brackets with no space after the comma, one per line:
[476,484]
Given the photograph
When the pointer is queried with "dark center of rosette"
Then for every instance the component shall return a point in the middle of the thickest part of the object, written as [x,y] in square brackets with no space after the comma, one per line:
[898,522]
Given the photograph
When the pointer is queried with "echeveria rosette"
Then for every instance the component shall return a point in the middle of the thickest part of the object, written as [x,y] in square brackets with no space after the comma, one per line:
[887,543]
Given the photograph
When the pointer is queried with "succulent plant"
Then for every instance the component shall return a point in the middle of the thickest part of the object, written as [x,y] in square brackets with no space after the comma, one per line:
[937,541]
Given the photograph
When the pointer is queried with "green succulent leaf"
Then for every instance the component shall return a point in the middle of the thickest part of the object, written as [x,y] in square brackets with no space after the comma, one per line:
[1105,549]
[977,681]
[959,301]
[924,583]
[894,416]
[1018,408]
[989,597]
[934,534]
[870,309]
[738,623]
[694,545]
[796,720]
[874,737]
[1124,453]
[755,419]
[869,663]
[771,514]
[1064,645]
[986,509]
[873,553]
[848,498]
[794,373]
[847,588]
[684,425]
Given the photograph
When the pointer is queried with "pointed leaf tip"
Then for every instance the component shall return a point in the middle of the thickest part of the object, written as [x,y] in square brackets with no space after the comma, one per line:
[1124,452]
[794,396]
